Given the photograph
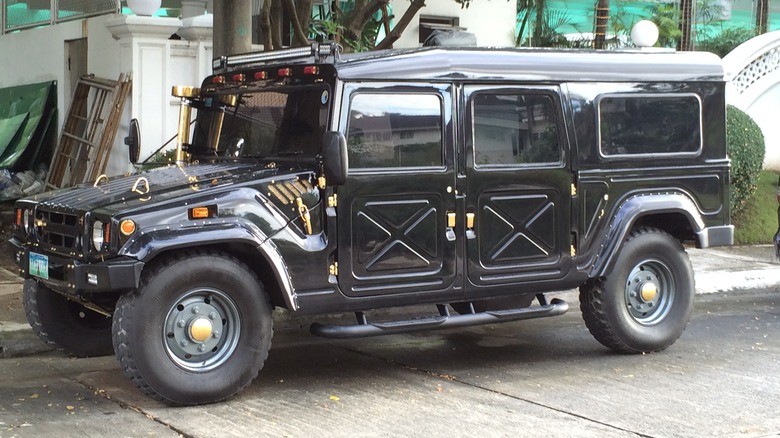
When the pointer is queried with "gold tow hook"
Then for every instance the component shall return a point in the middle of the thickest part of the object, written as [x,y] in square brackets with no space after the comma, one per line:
[303,212]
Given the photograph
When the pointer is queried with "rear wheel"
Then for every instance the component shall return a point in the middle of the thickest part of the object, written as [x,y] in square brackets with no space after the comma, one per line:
[645,302]
[198,330]
[64,324]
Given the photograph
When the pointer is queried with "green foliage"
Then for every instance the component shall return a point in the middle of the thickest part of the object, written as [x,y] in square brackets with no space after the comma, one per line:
[667,17]
[746,150]
[325,30]
[756,223]
[725,41]
[159,159]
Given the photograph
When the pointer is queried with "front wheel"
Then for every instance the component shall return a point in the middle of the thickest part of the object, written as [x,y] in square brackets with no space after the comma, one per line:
[645,302]
[198,330]
[65,324]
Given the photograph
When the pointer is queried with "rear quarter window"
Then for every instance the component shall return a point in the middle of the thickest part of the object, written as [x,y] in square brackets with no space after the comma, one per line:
[649,124]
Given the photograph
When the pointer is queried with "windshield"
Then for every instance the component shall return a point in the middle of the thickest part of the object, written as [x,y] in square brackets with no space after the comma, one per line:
[263,123]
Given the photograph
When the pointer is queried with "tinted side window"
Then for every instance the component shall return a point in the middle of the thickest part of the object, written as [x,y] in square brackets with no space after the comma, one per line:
[514,129]
[643,124]
[394,130]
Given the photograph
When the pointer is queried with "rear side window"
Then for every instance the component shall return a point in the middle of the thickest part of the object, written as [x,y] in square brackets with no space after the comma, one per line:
[642,124]
[514,129]
[394,130]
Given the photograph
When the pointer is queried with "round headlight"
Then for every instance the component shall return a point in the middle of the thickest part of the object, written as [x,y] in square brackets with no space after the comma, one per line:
[97,235]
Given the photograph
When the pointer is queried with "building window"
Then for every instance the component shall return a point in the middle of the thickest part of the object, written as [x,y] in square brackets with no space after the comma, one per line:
[394,130]
[643,124]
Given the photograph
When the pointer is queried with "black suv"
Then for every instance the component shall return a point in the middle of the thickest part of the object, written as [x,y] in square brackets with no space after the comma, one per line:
[472,180]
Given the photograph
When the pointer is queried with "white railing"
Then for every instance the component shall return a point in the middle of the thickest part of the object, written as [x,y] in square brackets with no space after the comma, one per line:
[752,61]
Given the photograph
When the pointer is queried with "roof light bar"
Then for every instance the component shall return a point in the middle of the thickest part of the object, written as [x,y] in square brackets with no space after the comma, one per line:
[319,51]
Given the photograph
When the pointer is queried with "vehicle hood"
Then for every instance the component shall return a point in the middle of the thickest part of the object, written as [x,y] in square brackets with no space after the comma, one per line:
[150,187]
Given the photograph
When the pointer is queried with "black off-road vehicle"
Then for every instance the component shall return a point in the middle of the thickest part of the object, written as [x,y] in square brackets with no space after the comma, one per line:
[472,180]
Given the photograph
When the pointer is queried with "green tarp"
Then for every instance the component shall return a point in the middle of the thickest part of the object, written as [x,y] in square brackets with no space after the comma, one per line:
[26,114]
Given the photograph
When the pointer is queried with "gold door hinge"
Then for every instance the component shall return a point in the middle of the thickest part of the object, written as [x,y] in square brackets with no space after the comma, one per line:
[573,189]
[573,251]
[333,269]
[333,201]
[322,183]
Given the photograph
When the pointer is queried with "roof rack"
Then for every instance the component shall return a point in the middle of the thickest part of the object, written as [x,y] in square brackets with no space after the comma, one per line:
[320,51]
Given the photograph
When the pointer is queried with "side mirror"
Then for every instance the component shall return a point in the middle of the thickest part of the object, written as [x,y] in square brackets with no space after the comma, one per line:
[335,160]
[133,141]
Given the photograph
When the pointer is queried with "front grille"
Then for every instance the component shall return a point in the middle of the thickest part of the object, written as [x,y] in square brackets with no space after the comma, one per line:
[59,231]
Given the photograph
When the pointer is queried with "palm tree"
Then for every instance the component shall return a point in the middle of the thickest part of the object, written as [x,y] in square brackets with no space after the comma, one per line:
[762,16]
[601,21]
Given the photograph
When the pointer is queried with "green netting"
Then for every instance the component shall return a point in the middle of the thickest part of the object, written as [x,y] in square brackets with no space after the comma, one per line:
[9,130]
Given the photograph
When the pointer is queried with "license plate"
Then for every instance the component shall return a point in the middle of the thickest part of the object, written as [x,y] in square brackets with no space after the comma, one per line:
[39,265]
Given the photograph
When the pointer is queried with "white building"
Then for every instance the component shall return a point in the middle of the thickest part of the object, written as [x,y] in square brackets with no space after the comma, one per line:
[108,45]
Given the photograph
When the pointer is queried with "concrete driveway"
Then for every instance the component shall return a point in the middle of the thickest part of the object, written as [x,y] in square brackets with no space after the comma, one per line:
[535,378]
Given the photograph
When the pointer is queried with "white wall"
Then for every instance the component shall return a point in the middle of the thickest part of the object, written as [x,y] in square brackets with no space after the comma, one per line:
[492,21]
[38,55]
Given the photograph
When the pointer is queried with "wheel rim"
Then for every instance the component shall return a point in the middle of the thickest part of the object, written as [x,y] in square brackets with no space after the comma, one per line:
[201,329]
[650,291]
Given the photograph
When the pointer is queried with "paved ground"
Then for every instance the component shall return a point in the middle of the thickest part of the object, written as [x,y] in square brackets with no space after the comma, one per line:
[534,378]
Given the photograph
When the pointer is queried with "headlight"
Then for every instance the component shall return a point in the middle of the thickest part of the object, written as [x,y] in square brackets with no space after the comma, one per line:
[100,234]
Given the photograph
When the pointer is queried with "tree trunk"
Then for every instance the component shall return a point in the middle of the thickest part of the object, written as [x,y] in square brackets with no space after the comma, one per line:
[355,21]
[601,23]
[686,23]
[402,24]
[300,35]
[762,16]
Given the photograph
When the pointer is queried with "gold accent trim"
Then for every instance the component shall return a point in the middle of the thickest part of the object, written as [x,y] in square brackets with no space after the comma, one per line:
[648,292]
[573,251]
[138,189]
[274,191]
[322,183]
[303,211]
[573,190]
[102,177]
[301,188]
[333,269]
[201,329]
[185,91]
[451,219]
[293,189]
[290,196]
[307,184]
[470,220]
[333,201]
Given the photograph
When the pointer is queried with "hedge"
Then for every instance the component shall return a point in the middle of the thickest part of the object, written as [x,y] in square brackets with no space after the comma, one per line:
[746,149]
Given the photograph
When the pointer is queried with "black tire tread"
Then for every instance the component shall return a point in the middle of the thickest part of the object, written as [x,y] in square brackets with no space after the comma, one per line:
[593,310]
[125,309]
[88,344]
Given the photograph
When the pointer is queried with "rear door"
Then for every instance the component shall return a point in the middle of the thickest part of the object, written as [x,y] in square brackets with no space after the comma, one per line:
[392,213]
[518,209]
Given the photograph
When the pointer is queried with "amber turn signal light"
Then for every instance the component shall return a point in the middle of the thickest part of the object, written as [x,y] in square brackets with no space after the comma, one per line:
[127,227]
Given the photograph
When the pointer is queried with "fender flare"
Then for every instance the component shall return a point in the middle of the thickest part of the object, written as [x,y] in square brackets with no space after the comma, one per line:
[632,209]
[150,242]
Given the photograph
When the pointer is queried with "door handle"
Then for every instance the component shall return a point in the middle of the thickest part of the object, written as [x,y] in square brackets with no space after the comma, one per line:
[451,221]
[470,233]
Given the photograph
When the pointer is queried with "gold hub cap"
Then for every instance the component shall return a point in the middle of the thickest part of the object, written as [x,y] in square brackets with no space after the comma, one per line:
[649,291]
[200,329]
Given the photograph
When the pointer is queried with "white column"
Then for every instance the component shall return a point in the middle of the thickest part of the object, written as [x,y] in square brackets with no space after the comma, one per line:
[146,52]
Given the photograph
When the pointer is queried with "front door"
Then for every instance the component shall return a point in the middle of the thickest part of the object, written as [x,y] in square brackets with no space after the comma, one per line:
[517,186]
[392,214]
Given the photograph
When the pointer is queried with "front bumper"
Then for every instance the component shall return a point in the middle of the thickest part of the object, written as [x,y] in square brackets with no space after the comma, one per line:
[74,277]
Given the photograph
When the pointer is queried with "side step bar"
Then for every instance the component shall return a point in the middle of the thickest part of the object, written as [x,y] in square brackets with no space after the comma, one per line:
[364,329]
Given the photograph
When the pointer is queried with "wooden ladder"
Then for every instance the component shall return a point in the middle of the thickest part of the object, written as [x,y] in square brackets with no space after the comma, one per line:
[89,131]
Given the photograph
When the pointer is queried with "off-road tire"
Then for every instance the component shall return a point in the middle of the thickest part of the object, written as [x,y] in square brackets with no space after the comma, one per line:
[610,311]
[148,349]
[64,324]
